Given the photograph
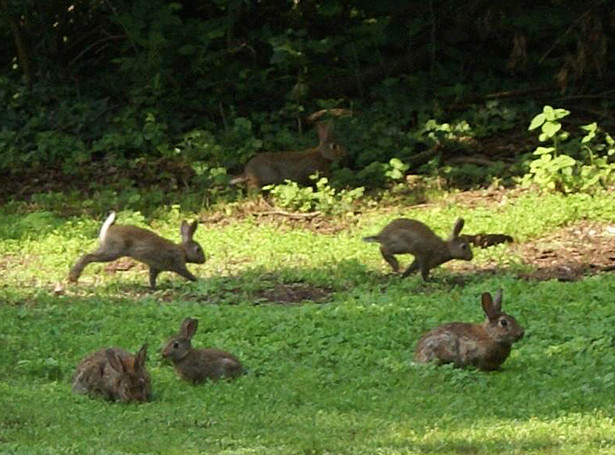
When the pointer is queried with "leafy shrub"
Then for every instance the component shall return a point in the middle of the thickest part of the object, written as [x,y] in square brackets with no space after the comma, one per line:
[493,117]
[438,133]
[324,198]
[570,164]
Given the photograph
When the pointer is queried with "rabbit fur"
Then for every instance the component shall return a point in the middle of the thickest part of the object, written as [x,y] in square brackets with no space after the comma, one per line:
[276,167]
[199,365]
[403,236]
[145,246]
[114,374]
[484,346]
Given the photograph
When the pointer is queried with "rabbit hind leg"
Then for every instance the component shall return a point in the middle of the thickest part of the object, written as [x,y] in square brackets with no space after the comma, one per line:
[390,258]
[97,256]
[413,267]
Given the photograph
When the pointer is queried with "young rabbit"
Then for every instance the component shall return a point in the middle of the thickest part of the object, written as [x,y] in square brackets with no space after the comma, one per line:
[403,236]
[198,365]
[158,253]
[114,374]
[485,346]
[273,168]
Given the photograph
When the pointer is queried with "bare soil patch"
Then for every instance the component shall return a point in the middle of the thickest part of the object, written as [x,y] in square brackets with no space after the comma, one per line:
[292,293]
[275,293]
[122,265]
[160,173]
[487,197]
[570,253]
[264,214]
[566,254]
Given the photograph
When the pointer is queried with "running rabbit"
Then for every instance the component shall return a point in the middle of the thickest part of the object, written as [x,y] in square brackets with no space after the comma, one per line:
[484,346]
[402,236]
[275,167]
[114,374]
[145,246]
[198,365]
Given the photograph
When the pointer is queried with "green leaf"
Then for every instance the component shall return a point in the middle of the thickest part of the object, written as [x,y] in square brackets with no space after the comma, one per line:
[551,128]
[543,150]
[561,113]
[590,127]
[536,122]
[549,113]
[564,161]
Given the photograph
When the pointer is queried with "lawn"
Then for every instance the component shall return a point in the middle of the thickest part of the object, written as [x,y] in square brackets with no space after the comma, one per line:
[326,332]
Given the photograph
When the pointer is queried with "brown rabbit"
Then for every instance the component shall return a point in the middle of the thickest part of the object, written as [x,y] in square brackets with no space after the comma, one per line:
[275,167]
[144,246]
[485,346]
[114,374]
[402,236]
[198,365]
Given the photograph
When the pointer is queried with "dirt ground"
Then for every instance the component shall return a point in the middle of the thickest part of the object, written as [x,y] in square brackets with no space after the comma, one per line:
[570,253]
[566,254]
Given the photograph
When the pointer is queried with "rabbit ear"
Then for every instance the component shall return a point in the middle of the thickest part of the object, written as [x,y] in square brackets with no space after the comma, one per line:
[457,227]
[141,358]
[115,361]
[489,307]
[193,226]
[189,327]
[187,230]
[325,131]
[497,300]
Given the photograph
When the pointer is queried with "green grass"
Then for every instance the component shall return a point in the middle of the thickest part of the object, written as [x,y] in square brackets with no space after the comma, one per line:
[324,378]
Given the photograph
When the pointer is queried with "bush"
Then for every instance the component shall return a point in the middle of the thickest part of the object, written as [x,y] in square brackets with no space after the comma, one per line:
[570,164]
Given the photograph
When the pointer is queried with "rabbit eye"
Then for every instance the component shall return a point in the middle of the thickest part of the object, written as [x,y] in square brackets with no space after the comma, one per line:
[175,345]
[503,322]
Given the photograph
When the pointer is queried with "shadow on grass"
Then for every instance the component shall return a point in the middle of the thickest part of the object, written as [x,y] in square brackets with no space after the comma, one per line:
[286,286]
[258,285]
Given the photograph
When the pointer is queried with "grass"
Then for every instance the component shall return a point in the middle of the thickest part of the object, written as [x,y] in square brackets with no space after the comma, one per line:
[324,378]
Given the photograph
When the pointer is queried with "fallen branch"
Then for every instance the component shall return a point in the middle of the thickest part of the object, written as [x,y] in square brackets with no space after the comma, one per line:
[486,240]
[461,160]
[422,157]
[500,95]
[296,215]
[335,112]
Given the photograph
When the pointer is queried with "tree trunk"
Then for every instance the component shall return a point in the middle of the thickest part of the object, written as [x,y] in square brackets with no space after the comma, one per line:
[24,54]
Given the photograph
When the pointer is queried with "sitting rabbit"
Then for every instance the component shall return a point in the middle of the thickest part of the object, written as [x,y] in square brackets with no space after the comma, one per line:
[145,246]
[485,346]
[402,236]
[198,365]
[275,167]
[114,374]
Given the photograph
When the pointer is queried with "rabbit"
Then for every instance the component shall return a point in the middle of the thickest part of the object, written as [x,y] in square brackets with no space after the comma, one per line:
[402,236]
[114,374]
[199,365]
[145,246]
[276,167]
[484,346]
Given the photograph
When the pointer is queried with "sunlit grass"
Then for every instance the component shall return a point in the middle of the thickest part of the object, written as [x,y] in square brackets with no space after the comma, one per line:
[334,377]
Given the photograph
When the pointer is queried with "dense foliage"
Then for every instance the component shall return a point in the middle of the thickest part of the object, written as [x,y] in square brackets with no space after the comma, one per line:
[148,82]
